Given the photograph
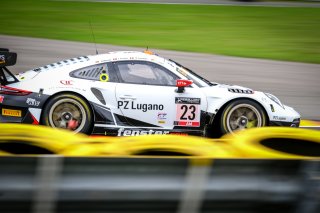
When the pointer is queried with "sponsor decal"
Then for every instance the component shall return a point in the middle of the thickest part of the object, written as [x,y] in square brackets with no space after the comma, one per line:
[123,132]
[242,91]
[187,123]
[182,100]
[11,112]
[138,106]
[279,118]
[32,102]
[75,88]
[162,117]
[2,59]
[66,82]
[188,112]
[179,133]
[1,99]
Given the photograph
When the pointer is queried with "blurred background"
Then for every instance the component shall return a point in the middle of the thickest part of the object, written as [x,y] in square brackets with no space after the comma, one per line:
[273,46]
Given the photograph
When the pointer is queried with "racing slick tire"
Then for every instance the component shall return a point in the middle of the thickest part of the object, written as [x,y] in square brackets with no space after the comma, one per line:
[242,114]
[68,111]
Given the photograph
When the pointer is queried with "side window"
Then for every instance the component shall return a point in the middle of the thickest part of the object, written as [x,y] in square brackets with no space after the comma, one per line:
[93,72]
[164,76]
[141,72]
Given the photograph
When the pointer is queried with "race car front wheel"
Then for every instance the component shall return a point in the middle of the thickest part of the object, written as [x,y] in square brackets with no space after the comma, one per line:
[68,111]
[240,115]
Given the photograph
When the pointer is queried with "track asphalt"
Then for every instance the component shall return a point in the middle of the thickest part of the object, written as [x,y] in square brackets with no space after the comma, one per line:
[296,84]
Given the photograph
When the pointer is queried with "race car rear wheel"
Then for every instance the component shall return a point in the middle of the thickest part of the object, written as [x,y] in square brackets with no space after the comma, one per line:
[68,111]
[240,115]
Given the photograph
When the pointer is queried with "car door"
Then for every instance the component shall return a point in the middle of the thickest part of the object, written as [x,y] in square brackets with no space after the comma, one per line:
[147,97]
[102,82]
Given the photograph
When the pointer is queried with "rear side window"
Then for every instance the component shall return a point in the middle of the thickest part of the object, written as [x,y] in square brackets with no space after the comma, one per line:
[93,72]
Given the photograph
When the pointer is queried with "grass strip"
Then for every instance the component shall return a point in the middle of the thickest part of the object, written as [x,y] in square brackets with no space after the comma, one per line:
[281,33]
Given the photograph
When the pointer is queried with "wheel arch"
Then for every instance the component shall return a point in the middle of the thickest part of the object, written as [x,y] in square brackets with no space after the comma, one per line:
[215,121]
[241,98]
[72,93]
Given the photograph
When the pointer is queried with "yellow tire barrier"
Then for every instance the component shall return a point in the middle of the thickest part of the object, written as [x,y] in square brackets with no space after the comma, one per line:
[309,123]
[268,142]
[276,142]
[2,153]
[13,136]
[193,147]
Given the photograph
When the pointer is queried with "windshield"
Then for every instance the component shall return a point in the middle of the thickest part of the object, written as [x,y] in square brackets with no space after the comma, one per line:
[197,79]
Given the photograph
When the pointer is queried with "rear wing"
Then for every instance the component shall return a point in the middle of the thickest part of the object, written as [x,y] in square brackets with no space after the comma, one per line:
[7,58]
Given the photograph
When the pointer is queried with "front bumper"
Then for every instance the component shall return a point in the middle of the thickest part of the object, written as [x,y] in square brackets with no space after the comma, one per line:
[294,123]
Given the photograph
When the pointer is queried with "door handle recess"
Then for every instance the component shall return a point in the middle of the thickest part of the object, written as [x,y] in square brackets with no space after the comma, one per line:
[127,97]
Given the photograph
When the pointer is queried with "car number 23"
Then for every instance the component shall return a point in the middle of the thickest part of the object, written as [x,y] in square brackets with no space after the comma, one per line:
[187,112]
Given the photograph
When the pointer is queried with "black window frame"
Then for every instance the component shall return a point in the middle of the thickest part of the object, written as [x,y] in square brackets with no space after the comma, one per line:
[116,69]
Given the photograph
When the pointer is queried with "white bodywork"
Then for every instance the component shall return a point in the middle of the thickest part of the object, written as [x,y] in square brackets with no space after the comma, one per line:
[55,78]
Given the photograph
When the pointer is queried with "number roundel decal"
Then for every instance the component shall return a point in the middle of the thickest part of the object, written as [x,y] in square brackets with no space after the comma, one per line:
[188,112]
[104,77]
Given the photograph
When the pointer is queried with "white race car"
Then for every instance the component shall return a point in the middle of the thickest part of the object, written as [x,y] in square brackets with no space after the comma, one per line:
[133,93]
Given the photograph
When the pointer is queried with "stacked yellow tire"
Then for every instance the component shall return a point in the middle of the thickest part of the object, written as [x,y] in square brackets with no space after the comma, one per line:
[269,142]
[14,137]
[191,147]
[275,142]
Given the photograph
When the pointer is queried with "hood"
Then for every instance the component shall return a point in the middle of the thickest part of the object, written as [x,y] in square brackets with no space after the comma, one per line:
[234,88]
[223,91]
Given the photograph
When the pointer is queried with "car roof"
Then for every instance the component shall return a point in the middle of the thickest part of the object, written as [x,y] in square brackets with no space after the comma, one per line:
[126,55]
[105,57]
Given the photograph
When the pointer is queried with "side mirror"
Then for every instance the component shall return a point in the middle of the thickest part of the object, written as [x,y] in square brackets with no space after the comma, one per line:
[181,84]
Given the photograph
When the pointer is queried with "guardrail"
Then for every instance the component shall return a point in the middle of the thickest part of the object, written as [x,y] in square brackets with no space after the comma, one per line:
[53,183]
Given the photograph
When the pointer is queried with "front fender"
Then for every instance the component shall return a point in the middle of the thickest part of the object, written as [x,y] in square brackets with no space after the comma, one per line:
[275,112]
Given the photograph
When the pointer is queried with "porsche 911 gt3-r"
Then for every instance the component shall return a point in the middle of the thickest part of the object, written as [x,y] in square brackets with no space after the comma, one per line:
[133,93]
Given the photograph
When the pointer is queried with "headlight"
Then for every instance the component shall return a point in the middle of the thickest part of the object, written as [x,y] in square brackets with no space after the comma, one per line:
[274,99]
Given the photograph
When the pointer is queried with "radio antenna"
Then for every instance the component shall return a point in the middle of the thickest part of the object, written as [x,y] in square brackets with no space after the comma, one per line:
[94,38]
